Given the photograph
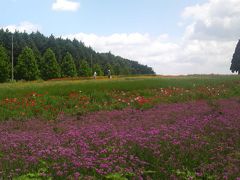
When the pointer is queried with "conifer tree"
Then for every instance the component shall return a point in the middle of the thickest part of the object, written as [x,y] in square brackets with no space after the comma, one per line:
[97,69]
[4,65]
[50,67]
[68,67]
[235,66]
[27,67]
[38,58]
[84,69]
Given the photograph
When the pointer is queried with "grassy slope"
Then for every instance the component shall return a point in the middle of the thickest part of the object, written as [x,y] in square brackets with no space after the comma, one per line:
[60,88]
[104,90]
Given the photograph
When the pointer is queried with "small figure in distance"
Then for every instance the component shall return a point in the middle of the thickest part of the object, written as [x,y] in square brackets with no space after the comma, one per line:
[109,74]
[95,75]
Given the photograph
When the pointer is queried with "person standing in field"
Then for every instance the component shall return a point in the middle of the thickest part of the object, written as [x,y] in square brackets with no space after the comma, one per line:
[95,75]
[109,74]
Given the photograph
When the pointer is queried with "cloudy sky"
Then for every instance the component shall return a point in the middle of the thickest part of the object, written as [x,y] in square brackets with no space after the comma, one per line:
[173,36]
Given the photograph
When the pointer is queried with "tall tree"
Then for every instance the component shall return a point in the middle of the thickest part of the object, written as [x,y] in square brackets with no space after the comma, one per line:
[27,67]
[68,67]
[51,68]
[84,69]
[107,68]
[117,69]
[235,66]
[38,58]
[4,65]
[97,69]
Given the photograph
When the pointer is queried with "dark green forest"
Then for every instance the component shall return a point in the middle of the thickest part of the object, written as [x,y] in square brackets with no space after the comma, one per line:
[39,57]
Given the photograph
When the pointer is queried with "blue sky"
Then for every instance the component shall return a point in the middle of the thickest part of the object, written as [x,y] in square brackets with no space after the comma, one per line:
[102,17]
[174,36]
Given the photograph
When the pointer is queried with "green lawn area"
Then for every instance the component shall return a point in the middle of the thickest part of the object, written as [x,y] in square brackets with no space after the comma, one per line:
[46,99]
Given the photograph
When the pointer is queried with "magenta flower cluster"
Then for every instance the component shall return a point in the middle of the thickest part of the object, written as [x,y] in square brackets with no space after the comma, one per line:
[198,139]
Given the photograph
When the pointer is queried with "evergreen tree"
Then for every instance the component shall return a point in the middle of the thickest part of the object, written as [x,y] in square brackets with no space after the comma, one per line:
[39,60]
[117,69]
[84,69]
[125,70]
[68,66]
[108,67]
[235,66]
[50,67]
[26,67]
[97,69]
[4,65]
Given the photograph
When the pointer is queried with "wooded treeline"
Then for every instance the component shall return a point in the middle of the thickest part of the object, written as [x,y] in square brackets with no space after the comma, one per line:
[39,57]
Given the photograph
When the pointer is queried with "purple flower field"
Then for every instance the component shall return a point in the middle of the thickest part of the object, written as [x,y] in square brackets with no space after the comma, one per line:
[194,140]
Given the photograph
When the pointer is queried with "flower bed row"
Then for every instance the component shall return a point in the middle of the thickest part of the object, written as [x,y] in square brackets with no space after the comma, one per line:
[198,140]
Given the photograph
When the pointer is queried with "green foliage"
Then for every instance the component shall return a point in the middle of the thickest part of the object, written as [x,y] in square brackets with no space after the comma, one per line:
[68,67]
[97,69]
[41,66]
[30,176]
[187,174]
[50,65]
[108,67]
[84,69]
[43,168]
[39,60]
[235,66]
[27,67]
[4,65]
[117,69]
[116,176]
[39,44]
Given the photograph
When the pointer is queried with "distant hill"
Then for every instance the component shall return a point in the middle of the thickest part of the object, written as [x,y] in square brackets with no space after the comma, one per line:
[40,43]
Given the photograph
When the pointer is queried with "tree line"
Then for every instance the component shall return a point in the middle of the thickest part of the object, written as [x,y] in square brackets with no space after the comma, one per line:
[39,57]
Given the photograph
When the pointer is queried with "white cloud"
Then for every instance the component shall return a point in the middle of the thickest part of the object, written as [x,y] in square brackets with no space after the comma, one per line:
[65,5]
[166,57]
[214,20]
[23,26]
[212,30]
